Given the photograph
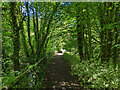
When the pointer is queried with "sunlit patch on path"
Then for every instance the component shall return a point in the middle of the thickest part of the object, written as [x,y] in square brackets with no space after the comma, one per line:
[59,54]
[58,75]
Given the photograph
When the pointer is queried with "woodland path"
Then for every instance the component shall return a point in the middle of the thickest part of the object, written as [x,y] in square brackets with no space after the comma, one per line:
[58,75]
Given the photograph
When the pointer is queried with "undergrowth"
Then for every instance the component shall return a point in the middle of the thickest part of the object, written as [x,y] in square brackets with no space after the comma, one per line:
[93,74]
[34,79]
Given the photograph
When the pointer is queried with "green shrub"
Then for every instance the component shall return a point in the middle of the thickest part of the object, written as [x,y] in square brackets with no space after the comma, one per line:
[93,74]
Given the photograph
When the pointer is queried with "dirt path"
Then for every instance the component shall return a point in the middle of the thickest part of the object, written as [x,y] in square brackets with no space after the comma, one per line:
[58,75]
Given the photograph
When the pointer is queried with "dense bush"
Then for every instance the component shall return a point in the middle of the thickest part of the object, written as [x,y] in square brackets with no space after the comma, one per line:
[93,74]
[34,78]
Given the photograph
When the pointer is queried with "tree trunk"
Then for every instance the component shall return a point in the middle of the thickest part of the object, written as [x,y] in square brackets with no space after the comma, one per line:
[79,33]
[110,34]
[24,41]
[86,47]
[16,42]
[48,26]
[28,26]
[89,33]
[38,47]
[102,33]
[115,51]
[34,24]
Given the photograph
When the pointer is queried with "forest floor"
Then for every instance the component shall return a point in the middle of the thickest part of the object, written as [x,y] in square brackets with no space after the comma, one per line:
[58,76]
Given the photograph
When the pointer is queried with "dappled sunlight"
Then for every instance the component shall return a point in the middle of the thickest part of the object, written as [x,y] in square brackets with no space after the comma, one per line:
[58,76]
[63,50]
[60,45]
[64,85]
[53,63]
[59,54]
[68,84]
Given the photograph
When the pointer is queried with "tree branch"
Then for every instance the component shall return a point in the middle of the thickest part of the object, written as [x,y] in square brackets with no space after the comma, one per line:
[95,39]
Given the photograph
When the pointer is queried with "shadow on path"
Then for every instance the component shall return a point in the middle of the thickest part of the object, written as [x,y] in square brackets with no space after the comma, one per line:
[58,75]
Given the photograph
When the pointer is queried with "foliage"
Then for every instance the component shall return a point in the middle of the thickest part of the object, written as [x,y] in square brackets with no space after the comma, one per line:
[88,31]
[33,78]
[92,74]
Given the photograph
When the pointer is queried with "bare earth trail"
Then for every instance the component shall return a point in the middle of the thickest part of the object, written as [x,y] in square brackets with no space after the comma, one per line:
[58,75]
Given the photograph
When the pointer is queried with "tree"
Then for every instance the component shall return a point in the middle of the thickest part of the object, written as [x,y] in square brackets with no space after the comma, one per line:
[16,42]
[28,27]
[80,28]
[116,31]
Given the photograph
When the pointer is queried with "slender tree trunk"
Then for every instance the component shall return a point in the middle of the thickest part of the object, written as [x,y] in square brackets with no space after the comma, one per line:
[24,41]
[105,32]
[22,33]
[84,42]
[38,47]
[89,33]
[115,51]
[86,49]
[28,26]
[34,24]
[110,34]
[48,26]
[79,33]
[102,33]
[16,42]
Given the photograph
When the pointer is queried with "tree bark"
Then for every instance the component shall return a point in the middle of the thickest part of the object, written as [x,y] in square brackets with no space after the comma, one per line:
[28,26]
[110,34]
[79,33]
[16,42]
[48,26]
[34,24]
[102,33]
[24,41]
[38,37]
[115,51]
[89,33]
